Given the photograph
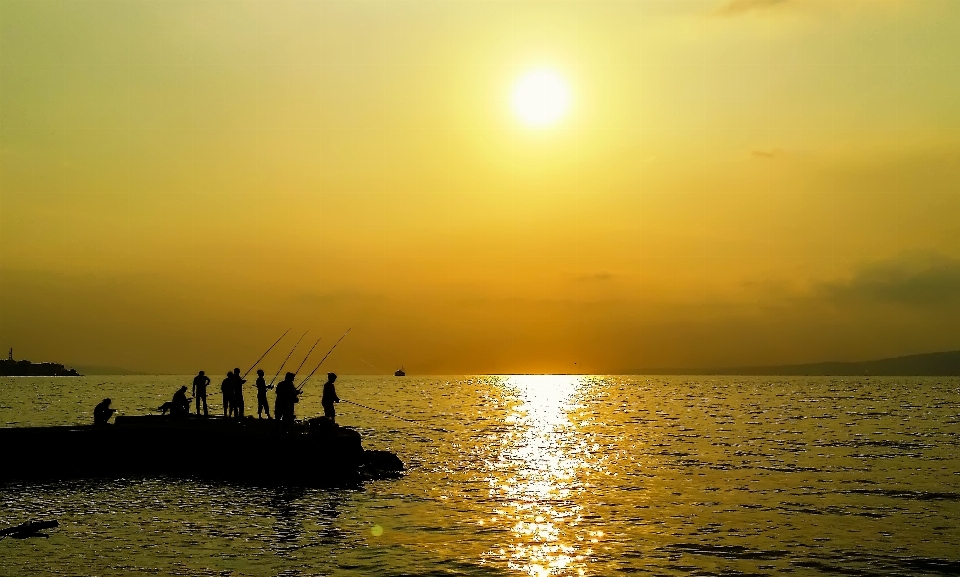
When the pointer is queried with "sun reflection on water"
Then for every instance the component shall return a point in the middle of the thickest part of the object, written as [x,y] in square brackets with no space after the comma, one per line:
[536,478]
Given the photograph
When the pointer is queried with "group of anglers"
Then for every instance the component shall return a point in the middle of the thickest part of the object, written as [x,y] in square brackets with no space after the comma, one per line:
[232,389]
[287,396]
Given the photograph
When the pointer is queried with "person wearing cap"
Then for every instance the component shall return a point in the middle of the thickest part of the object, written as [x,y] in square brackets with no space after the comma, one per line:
[262,388]
[329,397]
[200,383]
[103,412]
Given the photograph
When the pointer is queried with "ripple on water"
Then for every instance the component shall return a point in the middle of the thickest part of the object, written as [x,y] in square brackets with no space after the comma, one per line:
[551,475]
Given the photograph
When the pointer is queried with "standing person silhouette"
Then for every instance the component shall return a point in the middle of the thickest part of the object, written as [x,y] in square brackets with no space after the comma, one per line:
[330,397]
[236,402]
[200,383]
[226,387]
[262,387]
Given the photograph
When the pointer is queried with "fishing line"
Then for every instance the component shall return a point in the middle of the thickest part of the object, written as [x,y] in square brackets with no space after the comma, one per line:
[385,413]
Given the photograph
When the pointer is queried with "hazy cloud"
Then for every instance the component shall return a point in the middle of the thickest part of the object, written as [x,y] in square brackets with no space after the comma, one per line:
[597,276]
[335,298]
[919,281]
[767,154]
[737,7]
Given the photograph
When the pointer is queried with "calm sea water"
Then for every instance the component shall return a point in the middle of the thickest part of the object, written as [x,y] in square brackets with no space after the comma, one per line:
[535,475]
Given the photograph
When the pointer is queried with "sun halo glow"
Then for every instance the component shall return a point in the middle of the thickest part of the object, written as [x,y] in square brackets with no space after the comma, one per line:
[540,98]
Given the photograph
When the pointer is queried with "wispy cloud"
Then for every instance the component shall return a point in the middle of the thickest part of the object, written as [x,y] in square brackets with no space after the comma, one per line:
[737,7]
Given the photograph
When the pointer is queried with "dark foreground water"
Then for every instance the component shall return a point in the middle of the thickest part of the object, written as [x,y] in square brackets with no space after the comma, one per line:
[549,475]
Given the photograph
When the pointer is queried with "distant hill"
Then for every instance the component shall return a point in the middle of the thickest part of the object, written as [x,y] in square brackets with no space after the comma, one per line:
[924,365]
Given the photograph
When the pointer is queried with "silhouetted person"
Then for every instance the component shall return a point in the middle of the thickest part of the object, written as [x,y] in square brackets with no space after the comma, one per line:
[226,387]
[236,402]
[103,412]
[180,404]
[262,387]
[287,396]
[200,383]
[329,397]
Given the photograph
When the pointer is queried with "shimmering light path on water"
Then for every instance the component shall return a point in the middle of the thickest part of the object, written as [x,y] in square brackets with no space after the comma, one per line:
[536,475]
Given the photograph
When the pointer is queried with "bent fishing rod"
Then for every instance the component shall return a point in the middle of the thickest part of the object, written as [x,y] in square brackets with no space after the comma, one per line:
[288,356]
[384,412]
[300,388]
[265,354]
[307,357]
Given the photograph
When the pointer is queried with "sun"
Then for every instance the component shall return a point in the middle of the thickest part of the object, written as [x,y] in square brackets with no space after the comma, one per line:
[540,98]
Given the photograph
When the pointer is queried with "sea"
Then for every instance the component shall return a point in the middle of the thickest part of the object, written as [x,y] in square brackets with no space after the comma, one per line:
[531,476]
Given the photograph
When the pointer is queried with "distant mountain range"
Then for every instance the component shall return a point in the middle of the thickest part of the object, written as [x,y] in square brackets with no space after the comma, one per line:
[924,365]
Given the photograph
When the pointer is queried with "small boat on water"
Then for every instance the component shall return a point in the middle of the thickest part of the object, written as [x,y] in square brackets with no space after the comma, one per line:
[315,452]
[400,373]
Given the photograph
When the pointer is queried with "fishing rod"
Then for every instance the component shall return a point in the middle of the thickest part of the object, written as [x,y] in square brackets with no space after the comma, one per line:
[288,356]
[300,388]
[379,411]
[308,356]
[265,354]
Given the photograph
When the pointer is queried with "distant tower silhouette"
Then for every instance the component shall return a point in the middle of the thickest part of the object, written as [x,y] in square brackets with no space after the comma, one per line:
[10,354]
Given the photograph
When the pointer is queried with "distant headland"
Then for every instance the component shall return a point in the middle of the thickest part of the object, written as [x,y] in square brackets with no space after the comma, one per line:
[924,365]
[23,368]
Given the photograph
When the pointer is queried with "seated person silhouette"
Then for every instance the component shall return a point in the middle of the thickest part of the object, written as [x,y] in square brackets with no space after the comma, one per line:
[103,412]
[179,406]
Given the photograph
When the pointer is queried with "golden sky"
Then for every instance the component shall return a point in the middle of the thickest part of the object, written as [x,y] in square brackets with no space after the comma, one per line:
[735,182]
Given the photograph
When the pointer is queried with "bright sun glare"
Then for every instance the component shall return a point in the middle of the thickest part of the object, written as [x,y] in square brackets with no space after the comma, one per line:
[540,98]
